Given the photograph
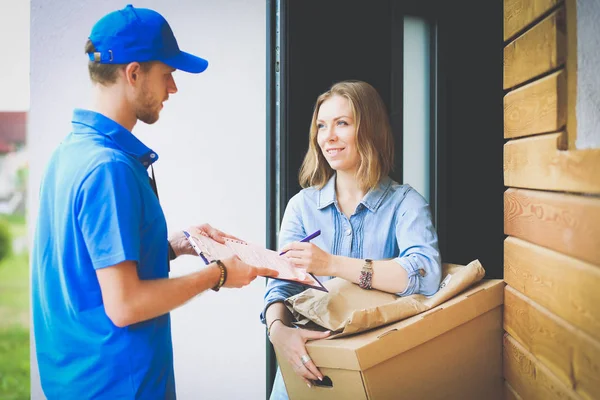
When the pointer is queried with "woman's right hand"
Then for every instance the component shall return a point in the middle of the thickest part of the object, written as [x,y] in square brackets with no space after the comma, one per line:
[291,344]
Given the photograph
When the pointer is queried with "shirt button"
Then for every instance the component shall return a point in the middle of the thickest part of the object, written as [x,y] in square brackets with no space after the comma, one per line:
[348,232]
[422,272]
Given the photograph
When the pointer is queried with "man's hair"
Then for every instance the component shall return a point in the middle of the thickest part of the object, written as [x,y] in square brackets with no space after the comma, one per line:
[106,74]
[374,140]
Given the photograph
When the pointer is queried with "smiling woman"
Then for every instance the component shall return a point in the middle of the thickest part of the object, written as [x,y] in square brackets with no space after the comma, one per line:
[336,134]
[351,114]
[375,232]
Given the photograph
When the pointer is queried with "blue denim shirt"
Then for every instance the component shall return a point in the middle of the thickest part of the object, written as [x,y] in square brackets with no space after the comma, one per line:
[391,221]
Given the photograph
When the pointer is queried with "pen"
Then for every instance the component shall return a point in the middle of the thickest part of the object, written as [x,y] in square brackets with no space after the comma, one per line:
[195,247]
[306,239]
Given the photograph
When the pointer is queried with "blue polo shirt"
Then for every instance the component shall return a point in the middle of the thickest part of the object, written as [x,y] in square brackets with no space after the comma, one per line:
[97,209]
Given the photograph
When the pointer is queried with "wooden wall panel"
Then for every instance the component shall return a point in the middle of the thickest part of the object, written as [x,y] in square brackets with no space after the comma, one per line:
[538,107]
[539,50]
[566,223]
[531,379]
[537,163]
[552,256]
[510,393]
[520,13]
[571,355]
[567,287]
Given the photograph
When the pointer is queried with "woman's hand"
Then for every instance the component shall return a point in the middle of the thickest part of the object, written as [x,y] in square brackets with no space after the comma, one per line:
[290,343]
[310,257]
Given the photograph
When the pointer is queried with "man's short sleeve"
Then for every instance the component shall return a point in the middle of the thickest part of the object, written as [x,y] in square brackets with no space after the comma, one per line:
[109,212]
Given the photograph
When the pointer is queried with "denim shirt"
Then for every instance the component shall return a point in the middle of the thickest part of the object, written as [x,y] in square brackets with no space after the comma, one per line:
[392,221]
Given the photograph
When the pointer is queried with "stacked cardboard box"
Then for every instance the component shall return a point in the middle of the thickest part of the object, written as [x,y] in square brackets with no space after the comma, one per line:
[453,351]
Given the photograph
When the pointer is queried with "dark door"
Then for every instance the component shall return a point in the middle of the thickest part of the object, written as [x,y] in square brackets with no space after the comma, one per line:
[313,44]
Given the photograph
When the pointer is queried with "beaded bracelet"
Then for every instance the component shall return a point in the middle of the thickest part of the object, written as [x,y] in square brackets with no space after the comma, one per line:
[366,275]
[223,276]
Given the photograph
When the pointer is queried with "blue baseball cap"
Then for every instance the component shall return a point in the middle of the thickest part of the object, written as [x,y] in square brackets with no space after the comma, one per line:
[139,35]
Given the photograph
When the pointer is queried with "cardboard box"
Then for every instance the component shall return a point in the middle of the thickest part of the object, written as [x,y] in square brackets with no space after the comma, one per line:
[453,351]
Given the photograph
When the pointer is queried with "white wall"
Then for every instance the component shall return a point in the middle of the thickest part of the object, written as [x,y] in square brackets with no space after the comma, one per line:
[588,79]
[14,45]
[214,126]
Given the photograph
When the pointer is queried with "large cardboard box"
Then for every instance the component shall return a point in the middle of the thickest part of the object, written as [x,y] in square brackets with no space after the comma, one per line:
[453,351]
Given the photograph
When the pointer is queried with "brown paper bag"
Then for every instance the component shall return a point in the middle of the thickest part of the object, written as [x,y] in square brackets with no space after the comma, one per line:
[348,309]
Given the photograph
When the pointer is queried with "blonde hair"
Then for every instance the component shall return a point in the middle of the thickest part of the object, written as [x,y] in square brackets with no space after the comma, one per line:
[374,139]
[106,74]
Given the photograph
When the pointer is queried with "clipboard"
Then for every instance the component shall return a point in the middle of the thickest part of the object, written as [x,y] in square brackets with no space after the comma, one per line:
[255,255]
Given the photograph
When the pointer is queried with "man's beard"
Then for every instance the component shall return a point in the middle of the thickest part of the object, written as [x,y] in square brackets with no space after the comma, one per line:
[147,110]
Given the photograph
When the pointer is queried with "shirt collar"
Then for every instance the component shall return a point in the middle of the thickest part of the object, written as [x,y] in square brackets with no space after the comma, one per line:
[327,193]
[375,196]
[122,137]
[372,199]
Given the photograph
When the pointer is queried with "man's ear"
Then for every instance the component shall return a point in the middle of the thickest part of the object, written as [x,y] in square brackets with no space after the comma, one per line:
[132,73]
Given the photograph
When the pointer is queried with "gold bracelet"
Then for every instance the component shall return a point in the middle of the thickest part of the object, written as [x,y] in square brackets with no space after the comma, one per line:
[222,277]
[271,324]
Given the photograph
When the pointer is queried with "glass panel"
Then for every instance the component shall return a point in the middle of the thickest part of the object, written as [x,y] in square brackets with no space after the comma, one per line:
[416,103]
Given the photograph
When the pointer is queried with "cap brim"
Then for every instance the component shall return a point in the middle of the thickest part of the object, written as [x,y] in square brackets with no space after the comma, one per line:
[186,62]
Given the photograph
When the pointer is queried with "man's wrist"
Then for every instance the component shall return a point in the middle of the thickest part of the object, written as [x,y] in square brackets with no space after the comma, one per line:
[222,275]
[215,275]
[172,254]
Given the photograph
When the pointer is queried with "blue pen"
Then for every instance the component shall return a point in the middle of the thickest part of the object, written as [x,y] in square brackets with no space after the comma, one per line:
[306,239]
[195,247]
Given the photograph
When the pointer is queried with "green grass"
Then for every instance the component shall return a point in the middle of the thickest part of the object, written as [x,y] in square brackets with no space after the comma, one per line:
[14,320]
[14,364]
[17,223]
[14,290]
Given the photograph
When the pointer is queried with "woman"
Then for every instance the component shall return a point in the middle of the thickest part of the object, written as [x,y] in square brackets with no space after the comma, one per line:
[363,215]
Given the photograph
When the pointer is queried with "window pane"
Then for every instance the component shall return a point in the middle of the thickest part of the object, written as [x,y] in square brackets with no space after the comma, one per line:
[416,103]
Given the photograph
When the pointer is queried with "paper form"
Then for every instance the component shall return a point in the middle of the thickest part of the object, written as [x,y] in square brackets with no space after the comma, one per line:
[257,256]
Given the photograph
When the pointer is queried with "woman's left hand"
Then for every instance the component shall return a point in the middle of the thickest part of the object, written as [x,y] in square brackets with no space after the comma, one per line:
[310,257]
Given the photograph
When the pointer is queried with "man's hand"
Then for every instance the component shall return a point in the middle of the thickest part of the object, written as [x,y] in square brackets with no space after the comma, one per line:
[181,246]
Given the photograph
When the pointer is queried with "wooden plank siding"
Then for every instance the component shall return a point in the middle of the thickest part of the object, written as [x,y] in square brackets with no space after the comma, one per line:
[530,378]
[509,393]
[571,355]
[566,223]
[552,253]
[568,287]
[537,51]
[539,163]
[538,107]
[520,13]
